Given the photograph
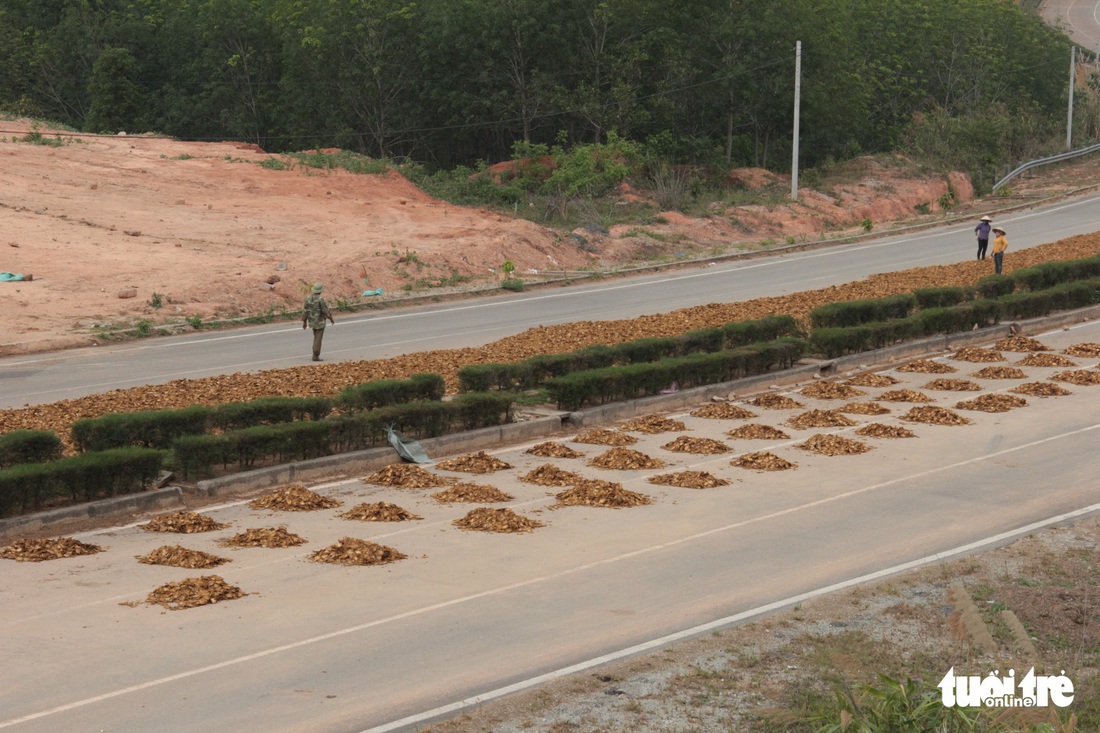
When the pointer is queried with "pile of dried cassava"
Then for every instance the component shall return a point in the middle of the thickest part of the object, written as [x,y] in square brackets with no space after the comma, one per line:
[47,549]
[833,445]
[381,511]
[594,492]
[723,411]
[992,403]
[756,431]
[689,480]
[480,462]
[934,416]
[699,446]
[407,476]
[653,424]
[183,523]
[352,551]
[878,430]
[550,475]
[270,537]
[625,459]
[603,436]
[820,419]
[472,494]
[181,557]
[763,461]
[293,498]
[553,450]
[485,519]
[871,379]
[194,592]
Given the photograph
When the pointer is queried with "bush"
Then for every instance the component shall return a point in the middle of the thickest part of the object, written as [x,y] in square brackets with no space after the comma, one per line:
[484,377]
[1050,274]
[995,286]
[29,446]
[483,409]
[84,477]
[858,312]
[768,328]
[942,297]
[706,340]
[269,410]
[607,384]
[383,392]
[645,350]
[155,429]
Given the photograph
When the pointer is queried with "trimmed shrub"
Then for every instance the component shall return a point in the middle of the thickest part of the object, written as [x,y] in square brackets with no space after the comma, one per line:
[996,286]
[484,377]
[1051,274]
[24,487]
[942,297]
[768,328]
[483,409]
[383,392]
[268,411]
[645,350]
[155,429]
[84,477]
[858,312]
[596,386]
[91,476]
[29,446]
[704,340]
[835,342]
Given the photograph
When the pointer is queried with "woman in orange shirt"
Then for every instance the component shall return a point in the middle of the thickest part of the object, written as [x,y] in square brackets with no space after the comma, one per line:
[1000,244]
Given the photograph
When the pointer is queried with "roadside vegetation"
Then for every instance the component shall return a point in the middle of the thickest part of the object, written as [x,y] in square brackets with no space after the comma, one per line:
[668,95]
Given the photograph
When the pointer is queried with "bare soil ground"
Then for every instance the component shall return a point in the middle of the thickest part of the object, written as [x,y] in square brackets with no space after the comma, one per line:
[203,230]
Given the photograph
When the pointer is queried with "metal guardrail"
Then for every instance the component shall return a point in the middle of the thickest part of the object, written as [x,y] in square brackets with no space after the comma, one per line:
[1069,154]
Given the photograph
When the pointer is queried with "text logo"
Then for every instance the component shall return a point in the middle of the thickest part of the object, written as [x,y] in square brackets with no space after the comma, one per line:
[993,691]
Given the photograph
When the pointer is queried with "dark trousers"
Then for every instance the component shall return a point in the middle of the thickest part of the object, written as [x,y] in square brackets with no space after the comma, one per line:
[998,260]
[318,335]
[982,244]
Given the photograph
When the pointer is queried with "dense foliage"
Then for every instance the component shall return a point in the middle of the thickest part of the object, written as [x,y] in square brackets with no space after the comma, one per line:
[453,82]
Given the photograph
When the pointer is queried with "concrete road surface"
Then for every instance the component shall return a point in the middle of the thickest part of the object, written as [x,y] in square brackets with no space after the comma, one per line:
[49,377]
[327,648]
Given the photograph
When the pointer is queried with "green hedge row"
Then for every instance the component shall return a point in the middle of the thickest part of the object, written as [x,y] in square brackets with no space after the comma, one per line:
[26,487]
[161,428]
[834,342]
[152,429]
[198,455]
[857,312]
[943,297]
[29,446]
[1051,274]
[536,371]
[608,384]
[372,395]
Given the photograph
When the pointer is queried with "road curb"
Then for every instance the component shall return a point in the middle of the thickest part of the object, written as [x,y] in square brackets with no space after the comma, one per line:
[374,459]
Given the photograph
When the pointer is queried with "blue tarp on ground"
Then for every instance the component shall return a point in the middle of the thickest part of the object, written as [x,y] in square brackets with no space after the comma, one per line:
[9,277]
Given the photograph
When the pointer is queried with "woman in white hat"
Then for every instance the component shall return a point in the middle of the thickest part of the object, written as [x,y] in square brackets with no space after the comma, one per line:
[982,233]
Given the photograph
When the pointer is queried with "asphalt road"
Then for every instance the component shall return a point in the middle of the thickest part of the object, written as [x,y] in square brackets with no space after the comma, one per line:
[1078,19]
[318,647]
[49,377]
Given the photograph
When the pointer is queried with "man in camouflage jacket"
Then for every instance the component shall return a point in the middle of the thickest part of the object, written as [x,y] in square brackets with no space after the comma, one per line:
[314,314]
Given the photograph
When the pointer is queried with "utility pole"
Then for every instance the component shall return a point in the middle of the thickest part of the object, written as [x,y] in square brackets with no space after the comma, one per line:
[1072,80]
[797,104]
